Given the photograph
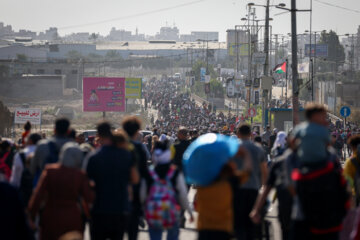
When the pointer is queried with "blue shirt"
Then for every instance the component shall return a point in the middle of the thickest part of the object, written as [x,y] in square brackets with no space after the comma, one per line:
[314,139]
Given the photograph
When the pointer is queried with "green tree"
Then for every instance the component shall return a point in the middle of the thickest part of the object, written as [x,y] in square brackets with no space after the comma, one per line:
[336,53]
[94,37]
[200,64]
[74,56]
[94,57]
[216,88]
[113,55]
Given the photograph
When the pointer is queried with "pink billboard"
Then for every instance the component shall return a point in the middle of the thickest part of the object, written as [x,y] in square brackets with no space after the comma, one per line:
[103,94]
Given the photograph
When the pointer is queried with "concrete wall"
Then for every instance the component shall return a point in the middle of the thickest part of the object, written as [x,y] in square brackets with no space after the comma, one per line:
[72,71]
[348,94]
[282,116]
[33,87]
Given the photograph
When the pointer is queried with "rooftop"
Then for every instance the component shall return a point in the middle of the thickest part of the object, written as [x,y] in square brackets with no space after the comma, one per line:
[158,45]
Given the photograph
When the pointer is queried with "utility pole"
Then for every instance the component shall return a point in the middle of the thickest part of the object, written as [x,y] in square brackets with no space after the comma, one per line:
[237,49]
[295,87]
[352,52]
[311,60]
[276,48]
[266,39]
[286,83]
[249,56]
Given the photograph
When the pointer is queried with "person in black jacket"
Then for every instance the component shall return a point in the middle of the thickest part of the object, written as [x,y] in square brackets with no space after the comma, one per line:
[180,147]
[13,220]
[132,125]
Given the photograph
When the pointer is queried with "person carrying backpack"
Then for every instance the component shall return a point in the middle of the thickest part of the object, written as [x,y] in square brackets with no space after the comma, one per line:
[162,193]
[320,193]
[47,151]
[6,160]
[21,176]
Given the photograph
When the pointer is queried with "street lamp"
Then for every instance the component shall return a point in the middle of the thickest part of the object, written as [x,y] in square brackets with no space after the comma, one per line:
[266,33]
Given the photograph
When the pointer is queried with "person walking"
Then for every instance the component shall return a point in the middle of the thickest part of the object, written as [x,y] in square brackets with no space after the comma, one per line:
[112,170]
[6,159]
[21,176]
[163,192]
[13,219]
[209,162]
[26,133]
[132,125]
[277,179]
[246,194]
[47,151]
[321,199]
[58,195]
[352,167]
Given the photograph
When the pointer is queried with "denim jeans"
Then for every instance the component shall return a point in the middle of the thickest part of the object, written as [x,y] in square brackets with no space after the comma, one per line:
[172,233]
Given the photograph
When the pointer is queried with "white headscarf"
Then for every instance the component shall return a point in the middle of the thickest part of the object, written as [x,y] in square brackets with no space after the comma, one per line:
[162,138]
[161,157]
[71,155]
[280,140]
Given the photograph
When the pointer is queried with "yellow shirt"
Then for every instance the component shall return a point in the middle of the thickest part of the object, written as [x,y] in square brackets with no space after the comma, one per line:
[349,171]
[215,207]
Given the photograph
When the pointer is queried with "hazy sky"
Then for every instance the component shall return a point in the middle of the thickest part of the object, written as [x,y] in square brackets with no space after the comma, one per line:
[202,15]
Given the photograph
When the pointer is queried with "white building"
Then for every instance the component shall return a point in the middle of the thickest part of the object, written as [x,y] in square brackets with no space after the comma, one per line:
[211,36]
[11,52]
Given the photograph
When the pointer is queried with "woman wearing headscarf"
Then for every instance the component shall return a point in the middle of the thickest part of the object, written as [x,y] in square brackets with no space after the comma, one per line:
[279,146]
[58,194]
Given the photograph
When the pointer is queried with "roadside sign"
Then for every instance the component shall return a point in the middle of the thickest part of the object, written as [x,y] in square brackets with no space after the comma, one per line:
[22,115]
[258,58]
[133,88]
[321,50]
[345,111]
[202,74]
[252,112]
[207,78]
[230,88]
[104,94]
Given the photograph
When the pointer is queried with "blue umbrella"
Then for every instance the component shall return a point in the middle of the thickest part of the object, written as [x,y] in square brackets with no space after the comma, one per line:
[205,157]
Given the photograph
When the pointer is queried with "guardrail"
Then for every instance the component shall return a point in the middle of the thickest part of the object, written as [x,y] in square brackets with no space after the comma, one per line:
[199,99]
[334,117]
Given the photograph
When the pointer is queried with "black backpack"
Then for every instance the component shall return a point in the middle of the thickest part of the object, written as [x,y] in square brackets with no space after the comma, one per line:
[323,196]
[53,156]
[26,183]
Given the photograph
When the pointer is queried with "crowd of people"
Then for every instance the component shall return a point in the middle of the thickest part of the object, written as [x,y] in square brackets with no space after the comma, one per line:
[179,109]
[123,181]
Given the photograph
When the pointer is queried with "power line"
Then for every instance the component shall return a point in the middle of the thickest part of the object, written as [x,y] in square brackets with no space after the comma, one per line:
[132,16]
[337,6]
